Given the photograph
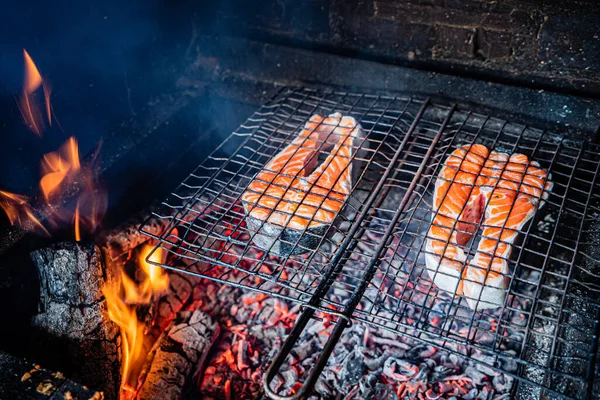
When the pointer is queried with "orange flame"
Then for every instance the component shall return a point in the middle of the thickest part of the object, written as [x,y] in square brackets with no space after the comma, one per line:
[122,304]
[63,166]
[28,106]
[76,224]
[157,278]
[57,168]
[19,212]
[132,335]
[57,165]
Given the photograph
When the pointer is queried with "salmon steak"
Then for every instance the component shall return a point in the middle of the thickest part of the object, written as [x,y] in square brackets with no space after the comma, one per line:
[488,190]
[293,200]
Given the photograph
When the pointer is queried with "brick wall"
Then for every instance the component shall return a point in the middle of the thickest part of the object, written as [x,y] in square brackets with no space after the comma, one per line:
[556,44]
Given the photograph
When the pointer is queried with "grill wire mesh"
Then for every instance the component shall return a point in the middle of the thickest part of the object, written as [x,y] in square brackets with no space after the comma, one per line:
[546,334]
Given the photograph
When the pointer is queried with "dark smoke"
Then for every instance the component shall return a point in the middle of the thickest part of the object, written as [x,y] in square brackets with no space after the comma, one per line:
[94,54]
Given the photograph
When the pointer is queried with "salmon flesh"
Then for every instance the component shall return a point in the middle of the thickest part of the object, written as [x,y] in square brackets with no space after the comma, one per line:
[292,201]
[481,189]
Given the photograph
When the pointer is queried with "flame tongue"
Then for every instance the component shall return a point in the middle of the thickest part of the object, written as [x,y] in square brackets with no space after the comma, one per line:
[58,168]
[19,211]
[76,224]
[157,278]
[132,335]
[33,79]
[58,165]
[122,304]
[30,109]
[64,166]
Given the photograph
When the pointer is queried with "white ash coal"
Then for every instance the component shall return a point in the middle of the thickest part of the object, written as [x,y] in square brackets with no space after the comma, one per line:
[368,362]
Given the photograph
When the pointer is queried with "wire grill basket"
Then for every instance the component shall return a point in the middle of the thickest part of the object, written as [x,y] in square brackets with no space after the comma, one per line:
[369,264]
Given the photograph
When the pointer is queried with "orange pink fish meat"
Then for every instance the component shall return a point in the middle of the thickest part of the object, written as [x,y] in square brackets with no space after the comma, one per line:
[293,194]
[488,190]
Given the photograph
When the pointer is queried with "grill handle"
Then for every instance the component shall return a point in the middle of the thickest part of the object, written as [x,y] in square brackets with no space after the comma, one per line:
[342,323]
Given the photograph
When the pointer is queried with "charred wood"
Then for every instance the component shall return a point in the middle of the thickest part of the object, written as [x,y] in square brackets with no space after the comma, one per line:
[128,236]
[181,287]
[73,320]
[176,354]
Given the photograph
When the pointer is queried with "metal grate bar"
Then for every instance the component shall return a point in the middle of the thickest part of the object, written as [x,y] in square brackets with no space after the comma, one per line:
[368,265]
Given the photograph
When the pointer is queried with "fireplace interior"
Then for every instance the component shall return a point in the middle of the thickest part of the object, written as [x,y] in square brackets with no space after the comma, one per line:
[131,131]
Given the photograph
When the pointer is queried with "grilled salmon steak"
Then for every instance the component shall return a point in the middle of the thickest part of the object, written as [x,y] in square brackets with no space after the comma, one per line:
[292,199]
[478,188]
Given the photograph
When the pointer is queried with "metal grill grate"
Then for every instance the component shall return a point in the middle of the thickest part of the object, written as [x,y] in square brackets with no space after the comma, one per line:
[369,265]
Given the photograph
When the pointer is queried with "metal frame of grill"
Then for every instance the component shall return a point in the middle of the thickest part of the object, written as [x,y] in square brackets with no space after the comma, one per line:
[369,264]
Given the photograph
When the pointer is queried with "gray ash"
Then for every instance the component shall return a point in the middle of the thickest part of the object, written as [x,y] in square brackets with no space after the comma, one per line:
[426,343]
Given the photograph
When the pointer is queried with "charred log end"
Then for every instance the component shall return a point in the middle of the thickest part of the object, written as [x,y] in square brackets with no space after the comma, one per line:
[176,355]
[72,325]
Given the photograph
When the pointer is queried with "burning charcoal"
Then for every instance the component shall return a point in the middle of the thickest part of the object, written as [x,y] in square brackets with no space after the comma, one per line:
[476,376]
[233,310]
[440,372]
[242,359]
[340,356]
[290,377]
[73,308]
[277,383]
[502,383]
[424,369]
[399,370]
[352,370]
[377,363]
[484,393]
[315,328]
[421,352]
[485,369]
[392,342]
[383,391]
[509,364]
[304,351]
[271,311]
[471,394]
[180,290]
[322,388]
[176,354]
[367,383]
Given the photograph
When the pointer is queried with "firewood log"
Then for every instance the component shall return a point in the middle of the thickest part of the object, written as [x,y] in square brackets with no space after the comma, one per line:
[174,357]
[73,322]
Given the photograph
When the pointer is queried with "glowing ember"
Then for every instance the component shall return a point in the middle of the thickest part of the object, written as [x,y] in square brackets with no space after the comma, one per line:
[30,110]
[122,305]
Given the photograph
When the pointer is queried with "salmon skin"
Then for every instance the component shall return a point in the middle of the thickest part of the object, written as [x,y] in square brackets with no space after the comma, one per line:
[286,203]
[481,189]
